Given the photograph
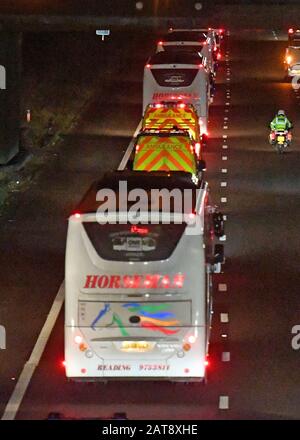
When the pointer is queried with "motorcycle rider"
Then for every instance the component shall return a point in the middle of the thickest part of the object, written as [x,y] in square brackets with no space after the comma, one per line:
[280,123]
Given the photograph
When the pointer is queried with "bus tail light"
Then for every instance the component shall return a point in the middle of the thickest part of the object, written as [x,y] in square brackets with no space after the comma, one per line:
[63,363]
[219,56]
[78,339]
[192,339]
[186,347]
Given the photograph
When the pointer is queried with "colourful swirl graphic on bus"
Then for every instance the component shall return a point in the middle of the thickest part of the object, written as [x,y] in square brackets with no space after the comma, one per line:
[153,317]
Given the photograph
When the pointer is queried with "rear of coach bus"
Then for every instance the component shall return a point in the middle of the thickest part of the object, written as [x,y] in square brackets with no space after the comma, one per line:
[136,300]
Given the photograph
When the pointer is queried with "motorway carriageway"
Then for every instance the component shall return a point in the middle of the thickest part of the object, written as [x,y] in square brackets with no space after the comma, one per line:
[254,372]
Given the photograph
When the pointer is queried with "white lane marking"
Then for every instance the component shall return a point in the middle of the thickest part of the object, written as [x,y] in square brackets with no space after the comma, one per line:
[225,136]
[224,402]
[224,335]
[222,287]
[226,110]
[224,157]
[223,238]
[225,118]
[227,103]
[225,147]
[225,217]
[225,127]
[25,377]
[223,184]
[129,148]
[223,199]
[19,391]
[224,318]
[224,170]
[226,356]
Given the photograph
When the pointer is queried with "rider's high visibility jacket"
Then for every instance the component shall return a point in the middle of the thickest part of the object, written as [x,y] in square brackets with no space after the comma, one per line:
[280,123]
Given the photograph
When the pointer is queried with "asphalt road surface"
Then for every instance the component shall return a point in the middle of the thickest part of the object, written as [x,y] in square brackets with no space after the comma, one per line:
[254,372]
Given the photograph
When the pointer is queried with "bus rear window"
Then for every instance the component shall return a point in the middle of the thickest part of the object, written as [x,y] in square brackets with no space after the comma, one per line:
[174,77]
[134,242]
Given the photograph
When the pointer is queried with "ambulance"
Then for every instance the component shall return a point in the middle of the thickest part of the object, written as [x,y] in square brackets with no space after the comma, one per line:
[167,150]
[169,115]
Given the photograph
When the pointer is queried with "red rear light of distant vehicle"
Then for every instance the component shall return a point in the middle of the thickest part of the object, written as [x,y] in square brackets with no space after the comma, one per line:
[291,30]
[219,56]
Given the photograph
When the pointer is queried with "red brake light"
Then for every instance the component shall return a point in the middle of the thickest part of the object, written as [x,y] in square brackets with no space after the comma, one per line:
[160,43]
[219,56]
[221,31]
[77,214]
[206,363]
[291,31]
[200,66]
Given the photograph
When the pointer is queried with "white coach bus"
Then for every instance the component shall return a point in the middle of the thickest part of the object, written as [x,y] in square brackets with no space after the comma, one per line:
[138,297]
[179,76]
